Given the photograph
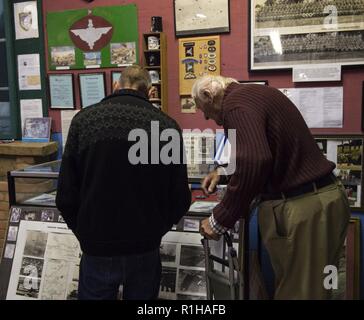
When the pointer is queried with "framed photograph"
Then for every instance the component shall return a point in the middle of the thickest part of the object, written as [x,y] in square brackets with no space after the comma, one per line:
[37,130]
[346,151]
[61,94]
[283,35]
[26,20]
[263,82]
[201,17]
[92,88]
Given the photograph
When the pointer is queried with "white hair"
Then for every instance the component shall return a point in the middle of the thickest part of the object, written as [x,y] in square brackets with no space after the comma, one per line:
[214,84]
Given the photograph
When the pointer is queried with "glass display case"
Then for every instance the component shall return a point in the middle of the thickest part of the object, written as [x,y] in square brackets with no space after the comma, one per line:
[34,185]
[37,239]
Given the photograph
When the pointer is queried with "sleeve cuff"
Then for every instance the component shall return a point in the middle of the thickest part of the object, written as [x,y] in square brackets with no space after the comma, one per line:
[216,227]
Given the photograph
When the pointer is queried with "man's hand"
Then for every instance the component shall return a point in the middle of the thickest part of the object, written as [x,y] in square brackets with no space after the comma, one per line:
[207,232]
[209,183]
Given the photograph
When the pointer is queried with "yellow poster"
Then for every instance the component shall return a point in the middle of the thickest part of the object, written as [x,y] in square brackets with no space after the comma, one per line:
[197,57]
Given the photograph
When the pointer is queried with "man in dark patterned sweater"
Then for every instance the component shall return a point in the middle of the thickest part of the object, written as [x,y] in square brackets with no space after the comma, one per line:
[119,201]
[304,212]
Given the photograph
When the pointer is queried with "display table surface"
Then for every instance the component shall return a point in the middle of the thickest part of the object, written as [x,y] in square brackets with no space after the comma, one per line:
[38,149]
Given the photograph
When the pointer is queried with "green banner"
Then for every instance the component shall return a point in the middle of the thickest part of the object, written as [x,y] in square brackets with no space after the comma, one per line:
[101,37]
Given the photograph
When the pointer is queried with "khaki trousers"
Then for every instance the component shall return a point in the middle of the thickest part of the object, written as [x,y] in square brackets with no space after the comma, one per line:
[303,235]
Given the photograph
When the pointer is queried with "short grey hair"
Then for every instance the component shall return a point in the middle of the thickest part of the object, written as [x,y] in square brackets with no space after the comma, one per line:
[136,76]
[215,84]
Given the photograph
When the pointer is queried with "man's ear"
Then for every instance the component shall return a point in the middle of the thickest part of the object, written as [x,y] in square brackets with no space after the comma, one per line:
[208,96]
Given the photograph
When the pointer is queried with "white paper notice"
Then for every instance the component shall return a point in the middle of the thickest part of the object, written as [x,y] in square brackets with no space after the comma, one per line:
[26,20]
[320,107]
[66,119]
[30,108]
[316,72]
[29,72]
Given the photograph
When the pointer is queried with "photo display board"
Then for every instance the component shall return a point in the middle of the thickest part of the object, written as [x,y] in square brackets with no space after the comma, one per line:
[98,38]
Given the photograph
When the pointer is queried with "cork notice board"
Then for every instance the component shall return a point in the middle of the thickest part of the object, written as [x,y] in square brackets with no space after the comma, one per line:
[197,57]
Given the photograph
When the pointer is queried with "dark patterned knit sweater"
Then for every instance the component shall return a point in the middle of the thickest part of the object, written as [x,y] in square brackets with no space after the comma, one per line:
[112,206]
[275,150]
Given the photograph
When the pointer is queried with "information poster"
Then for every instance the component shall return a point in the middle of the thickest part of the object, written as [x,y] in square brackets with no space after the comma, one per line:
[29,72]
[197,57]
[30,108]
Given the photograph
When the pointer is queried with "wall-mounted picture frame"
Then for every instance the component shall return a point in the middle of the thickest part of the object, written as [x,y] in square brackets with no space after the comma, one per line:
[61,93]
[346,151]
[92,88]
[115,77]
[201,17]
[263,82]
[283,35]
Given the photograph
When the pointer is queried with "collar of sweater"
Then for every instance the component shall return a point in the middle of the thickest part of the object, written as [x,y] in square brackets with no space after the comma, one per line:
[127,92]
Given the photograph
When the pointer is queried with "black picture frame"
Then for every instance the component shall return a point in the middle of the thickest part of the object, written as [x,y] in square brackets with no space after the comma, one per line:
[51,97]
[85,104]
[282,36]
[349,163]
[222,6]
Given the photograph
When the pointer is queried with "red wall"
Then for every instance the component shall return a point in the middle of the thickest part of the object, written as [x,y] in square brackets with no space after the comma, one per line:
[234,57]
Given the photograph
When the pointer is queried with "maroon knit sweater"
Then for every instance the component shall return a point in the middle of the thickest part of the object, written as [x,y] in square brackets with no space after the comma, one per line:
[275,150]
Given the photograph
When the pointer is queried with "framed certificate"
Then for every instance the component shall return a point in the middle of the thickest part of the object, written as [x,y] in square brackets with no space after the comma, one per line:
[92,88]
[61,93]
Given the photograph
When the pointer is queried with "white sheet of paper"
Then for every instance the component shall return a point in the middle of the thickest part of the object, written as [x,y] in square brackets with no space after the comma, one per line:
[30,108]
[26,20]
[316,72]
[320,107]
[29,72]
[66,119]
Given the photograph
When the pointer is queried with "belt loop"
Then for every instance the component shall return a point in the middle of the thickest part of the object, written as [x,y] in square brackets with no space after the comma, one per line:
[314,187]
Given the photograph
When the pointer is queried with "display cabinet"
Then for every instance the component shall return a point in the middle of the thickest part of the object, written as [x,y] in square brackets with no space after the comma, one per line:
[155,61]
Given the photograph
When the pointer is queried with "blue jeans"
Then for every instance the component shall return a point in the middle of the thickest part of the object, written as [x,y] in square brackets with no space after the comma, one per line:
[100,277]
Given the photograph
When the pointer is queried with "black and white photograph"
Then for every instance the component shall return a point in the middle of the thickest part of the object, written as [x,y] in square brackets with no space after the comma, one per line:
[168,252]
[188,105]
[30,215]
[15,214]
[192,256]
[201,17]
[28,287]
[37,129]
[9,251]
[31,267]
[168,283]
[35,244]
[47,215]
[191,281]
[13,232]
[286,33]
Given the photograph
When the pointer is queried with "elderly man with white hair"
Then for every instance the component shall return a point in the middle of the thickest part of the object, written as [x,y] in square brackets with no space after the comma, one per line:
[303,210]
